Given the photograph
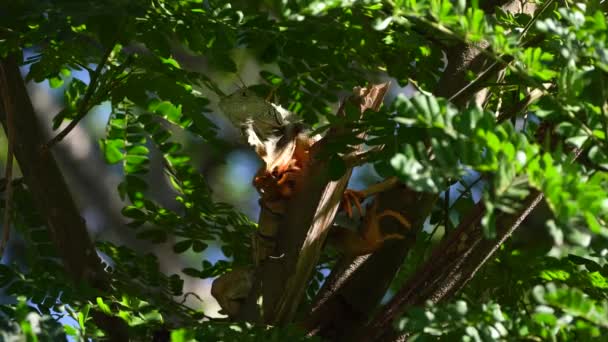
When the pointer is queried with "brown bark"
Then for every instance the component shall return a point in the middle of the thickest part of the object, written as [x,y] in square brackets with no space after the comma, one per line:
[454,263]
[50,193]
[282,278]
[355,288]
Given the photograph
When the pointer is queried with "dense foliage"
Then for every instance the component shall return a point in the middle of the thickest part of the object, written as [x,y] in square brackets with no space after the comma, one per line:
[542,126]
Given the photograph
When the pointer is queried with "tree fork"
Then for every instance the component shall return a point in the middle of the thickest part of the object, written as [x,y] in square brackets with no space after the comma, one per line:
[281,279]
[377,270]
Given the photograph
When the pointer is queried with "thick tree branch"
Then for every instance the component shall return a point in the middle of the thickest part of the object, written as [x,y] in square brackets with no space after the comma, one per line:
[44,180]
[50,192]
[455,261]
[325,204]
[369,277]
[282,278]
[356,286]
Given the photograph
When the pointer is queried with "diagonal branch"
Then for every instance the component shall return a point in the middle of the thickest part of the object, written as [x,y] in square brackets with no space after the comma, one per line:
[356,286]
[339,307]
[325,204]
[452,265]
[84,106]
[455,261]
[282,278]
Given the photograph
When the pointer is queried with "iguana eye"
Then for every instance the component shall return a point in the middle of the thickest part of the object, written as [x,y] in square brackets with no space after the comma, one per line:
[244,94]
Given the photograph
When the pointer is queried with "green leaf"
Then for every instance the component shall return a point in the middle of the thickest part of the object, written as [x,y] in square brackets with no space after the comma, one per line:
[170,61]
[192,272]
[182,246]
[112,150]
[337,167]
[70,330]
[83,316]
[167,110]
[134,213]
[182,335]
[103,306]
[198,246]
[55,82]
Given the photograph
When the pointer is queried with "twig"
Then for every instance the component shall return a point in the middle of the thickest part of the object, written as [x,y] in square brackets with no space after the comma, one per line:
[480,78]
[8,175]
[89,70]
[452,266]
[520,106]
[533,20]
[446,208]
[213,87]
[361,158]
[187,294]
[383,186]
[466,190]
[84,106]
[52,199]
[109,86]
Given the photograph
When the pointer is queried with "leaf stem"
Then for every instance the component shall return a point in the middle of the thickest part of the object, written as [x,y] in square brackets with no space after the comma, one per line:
[84,106]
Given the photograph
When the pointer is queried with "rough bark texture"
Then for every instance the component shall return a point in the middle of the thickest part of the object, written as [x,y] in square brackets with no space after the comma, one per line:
[355,290]
[50,193]
[454,263]
[355,287]
[281,279]
[46,183]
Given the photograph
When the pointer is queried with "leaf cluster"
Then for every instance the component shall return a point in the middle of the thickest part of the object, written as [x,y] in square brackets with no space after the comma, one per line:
[543,127]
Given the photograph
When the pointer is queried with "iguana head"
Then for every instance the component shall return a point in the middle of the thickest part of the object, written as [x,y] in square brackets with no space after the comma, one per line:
[244,104]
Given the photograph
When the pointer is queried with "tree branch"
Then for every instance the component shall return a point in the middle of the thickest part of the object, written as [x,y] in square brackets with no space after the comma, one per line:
[520,106]
[356,286]
[369,277]
[8,175]
[282,278]
[50,193]
[364,157]
[455,261]
[324,208]
[453,264]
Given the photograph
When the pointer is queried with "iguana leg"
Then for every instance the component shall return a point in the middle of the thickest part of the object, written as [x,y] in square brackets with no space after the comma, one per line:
[354,197]
[350,198]
[282,181]
[370,237]
[278,184]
